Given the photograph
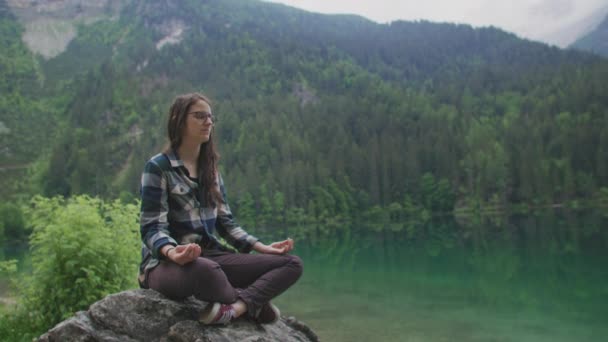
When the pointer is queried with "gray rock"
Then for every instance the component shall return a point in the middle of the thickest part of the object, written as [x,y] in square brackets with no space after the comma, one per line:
[146,315]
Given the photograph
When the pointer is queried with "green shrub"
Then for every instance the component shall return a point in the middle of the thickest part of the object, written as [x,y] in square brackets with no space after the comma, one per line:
[12,224]
[82,250]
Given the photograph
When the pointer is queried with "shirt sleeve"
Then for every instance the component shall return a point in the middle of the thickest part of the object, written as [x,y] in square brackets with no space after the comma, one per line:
[228,228]
[154,227]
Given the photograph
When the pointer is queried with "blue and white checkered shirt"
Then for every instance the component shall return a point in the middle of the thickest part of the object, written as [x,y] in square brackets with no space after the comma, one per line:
[171,212]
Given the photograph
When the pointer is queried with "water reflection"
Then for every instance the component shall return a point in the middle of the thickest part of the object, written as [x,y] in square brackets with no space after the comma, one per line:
[12,251]
[528,277]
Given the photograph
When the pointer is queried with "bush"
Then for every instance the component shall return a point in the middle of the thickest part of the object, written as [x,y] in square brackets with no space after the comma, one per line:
[12,225]
[82,250]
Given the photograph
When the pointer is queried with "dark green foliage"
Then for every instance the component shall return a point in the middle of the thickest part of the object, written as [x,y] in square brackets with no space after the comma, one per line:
[82,250]
[26,117]
[12,223]
[322,117]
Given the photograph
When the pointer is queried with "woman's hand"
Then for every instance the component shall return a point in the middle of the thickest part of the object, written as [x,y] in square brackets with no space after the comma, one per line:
[182,254]
[280,247]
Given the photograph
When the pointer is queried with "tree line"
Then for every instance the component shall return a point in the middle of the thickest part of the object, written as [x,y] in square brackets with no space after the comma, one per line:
[314,109]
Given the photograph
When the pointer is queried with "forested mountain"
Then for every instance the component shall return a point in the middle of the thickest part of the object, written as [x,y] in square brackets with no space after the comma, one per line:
[595,41]
[322,117]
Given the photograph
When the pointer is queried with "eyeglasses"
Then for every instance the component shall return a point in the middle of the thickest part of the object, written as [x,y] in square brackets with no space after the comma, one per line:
[203,116]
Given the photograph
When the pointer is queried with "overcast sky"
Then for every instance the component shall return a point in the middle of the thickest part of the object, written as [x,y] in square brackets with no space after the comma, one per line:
[558,22]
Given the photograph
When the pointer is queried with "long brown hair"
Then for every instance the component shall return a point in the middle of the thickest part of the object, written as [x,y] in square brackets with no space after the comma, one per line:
[208,156]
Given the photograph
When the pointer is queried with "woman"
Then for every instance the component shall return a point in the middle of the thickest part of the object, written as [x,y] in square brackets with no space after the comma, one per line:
[183,201]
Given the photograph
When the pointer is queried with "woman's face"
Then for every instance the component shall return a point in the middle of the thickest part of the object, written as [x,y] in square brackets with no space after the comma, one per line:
[199,122]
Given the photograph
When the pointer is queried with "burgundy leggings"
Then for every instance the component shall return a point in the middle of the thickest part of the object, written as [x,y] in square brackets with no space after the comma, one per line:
[225,277]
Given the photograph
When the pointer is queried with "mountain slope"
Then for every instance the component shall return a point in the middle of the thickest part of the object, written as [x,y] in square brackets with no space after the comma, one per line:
[567,32]
[596,41]
[325,114]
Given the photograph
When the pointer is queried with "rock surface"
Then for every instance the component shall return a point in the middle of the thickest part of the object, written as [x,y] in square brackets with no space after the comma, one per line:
[50,25]
[146,315]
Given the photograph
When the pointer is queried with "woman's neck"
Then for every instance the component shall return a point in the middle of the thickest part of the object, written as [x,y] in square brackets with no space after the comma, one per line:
[188,152]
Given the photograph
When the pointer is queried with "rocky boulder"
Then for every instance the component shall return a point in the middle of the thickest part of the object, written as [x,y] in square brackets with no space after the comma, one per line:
[146,315]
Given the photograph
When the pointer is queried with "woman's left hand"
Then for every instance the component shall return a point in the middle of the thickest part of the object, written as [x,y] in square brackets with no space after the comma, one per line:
[280,247]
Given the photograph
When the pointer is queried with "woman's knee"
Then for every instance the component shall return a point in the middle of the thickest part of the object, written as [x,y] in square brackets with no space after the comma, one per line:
[296,264]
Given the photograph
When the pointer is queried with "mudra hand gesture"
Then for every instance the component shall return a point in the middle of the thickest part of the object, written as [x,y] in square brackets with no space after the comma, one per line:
[280,247]
[182,254]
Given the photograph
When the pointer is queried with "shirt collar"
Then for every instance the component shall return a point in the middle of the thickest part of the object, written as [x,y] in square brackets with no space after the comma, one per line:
[174,159]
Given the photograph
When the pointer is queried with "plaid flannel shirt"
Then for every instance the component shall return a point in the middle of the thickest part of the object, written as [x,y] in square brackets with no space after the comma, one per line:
[171,212]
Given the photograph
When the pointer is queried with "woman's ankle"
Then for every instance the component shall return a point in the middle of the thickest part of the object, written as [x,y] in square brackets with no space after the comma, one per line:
[239,307]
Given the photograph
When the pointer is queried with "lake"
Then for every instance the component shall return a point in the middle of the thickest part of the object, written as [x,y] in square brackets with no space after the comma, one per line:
[535,277]
[12,250]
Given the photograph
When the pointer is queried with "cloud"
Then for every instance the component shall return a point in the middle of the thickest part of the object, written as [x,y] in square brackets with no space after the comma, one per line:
[553,9]
[534,19]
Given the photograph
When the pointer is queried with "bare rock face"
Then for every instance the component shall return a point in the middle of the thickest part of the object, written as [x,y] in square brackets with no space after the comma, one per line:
[173,32]
[305,95]
[146,315]
[50,25]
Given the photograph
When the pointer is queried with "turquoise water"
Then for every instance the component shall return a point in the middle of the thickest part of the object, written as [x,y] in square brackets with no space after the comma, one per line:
[540,277]
[533,278]
[12,251]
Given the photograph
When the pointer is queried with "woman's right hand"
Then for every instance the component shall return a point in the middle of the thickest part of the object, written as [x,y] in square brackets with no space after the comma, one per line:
[182,254]
[280,247]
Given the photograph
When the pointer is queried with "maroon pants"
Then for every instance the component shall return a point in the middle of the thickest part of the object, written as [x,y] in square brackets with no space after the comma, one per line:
[224,277]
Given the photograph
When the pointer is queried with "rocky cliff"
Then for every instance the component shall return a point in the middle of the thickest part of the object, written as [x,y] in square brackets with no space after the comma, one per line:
[50,25]
[146,315]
